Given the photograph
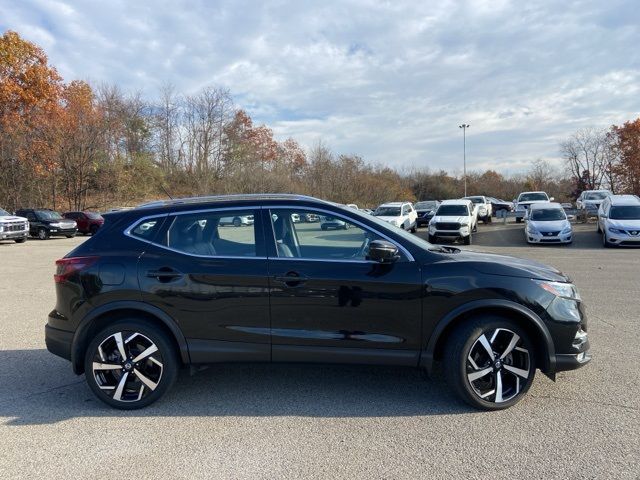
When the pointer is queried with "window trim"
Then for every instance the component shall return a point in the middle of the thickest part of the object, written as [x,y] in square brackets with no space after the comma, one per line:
[127,232]
[272,240]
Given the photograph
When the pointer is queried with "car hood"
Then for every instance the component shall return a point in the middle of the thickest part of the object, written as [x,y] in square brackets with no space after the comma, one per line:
[449,219]
[624,224]
[531,202]
[389,219]
[552,226]
[492,264]
[12,218]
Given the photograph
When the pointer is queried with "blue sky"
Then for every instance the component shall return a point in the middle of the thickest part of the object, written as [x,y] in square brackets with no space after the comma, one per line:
[388,80]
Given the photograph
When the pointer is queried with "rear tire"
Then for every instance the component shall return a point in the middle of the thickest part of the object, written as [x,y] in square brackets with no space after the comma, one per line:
[130,385]
[489,362]
[237,222]
[94,229]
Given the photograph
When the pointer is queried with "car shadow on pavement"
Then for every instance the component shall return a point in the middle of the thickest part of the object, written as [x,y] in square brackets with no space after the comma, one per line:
[39,388]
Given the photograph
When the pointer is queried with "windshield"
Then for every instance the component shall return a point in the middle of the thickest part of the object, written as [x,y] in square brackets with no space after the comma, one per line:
[596,196]
[93,216]
[626,212]
[452,211]
[530,197]
[48,215]
[4,213]
[475,199]
[387,212]
[425,205]
[548,214]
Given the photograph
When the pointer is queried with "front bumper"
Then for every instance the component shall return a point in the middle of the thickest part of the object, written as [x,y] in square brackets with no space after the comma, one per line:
[624,239]
[566,362]
[14,235]
[543,237]
[59,232]
[463,232]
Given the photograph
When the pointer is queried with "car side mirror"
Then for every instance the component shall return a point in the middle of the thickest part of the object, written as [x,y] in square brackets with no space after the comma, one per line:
[604,215]
[383,251]
[515,201]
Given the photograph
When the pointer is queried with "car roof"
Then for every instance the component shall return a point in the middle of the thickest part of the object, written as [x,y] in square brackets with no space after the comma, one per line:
[538,191]
[456,201]
[624,200]
[599,190]
[393,204]
[540,206]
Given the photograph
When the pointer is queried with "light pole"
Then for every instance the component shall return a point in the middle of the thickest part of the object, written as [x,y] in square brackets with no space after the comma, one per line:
[464,127]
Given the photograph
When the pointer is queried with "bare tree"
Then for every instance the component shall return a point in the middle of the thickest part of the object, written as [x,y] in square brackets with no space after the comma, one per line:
[586,154]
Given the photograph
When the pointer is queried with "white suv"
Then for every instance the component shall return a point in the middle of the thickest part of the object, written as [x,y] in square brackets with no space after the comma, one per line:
[591,200]
[400,214]
[619,220]
[454,219]
[12,227]
[525,200]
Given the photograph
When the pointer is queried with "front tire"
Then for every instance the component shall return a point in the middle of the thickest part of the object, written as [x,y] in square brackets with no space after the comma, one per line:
[467,240]
[605,241]
[20,240]
[130,364]
[433,238]
[490,362]
[43,233]
[518,219]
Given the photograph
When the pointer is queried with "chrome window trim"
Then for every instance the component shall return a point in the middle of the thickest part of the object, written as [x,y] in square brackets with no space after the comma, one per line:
[344,217]
[127,232]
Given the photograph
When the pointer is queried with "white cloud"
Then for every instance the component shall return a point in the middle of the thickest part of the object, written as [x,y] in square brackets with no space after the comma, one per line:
[388,80]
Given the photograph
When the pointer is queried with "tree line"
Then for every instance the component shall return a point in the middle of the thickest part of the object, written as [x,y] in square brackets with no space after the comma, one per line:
[70,145]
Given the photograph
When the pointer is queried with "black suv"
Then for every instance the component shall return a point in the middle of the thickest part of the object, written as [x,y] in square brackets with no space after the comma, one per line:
[168,285]
[45,223]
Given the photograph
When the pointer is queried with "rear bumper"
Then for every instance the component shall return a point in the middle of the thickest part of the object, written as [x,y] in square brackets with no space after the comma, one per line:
[58,341]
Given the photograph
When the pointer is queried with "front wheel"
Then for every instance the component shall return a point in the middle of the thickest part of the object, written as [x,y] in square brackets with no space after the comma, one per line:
[518,219]
[130,364]
[20,240]
[490,362]
[467,240]
[432,238]
[43,233]
[69,236]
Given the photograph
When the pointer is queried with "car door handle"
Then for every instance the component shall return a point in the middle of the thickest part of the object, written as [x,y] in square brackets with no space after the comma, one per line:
[164,274]
[291,279]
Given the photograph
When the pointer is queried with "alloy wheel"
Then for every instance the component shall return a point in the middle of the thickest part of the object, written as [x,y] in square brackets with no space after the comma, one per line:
[127,366]
[498,365]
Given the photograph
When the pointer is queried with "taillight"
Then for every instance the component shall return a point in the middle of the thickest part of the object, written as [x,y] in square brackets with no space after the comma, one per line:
[65,267]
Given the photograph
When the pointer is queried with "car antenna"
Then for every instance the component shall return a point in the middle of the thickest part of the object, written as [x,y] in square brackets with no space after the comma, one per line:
[165,191]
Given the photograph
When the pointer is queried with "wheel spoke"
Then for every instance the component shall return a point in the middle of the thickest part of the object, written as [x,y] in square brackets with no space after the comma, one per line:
[472,362]
[476,375]
[147,381]
[117,395]
[512,344]
[498,387]
[487,346]
[146,353]
[518,371]
[131,337]
[120,343]
[106,366]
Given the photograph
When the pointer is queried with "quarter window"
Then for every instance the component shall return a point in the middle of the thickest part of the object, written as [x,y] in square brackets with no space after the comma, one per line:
[310,235]
[214,234]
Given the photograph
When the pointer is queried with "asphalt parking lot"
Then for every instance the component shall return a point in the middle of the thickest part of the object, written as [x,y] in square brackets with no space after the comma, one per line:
[292,421]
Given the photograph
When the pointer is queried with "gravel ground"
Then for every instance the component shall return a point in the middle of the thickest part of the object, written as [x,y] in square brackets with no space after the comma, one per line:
[288,421]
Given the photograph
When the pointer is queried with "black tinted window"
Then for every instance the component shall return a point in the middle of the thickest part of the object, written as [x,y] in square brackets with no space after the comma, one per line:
[146,229]
[452,210]
[548,215]
[531,197]
[225,234]
[625,212]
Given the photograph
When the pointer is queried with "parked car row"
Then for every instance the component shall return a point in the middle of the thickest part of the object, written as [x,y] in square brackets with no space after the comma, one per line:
[44,223]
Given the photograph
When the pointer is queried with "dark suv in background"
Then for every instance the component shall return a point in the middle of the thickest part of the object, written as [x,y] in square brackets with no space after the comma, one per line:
[169,285]
[45,223]
[88,222]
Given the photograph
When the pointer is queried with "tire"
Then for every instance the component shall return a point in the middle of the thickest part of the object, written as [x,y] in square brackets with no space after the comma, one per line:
[237,222]
[323,228]
[43,233]
[70,236]
[599,230]
[414,229]
[467,240]
[433,238]
[94,229]
[606,243]
[489,219]
[159,368]
[20,240]
[518,219]
[509,368]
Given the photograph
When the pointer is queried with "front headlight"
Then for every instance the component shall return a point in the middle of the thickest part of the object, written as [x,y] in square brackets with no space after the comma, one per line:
[616,230]
[464,223]
[560,289]
[531,230]
[566,230]
[1,228]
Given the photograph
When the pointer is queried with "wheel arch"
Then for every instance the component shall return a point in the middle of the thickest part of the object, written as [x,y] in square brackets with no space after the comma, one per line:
[532,323]
[110,312]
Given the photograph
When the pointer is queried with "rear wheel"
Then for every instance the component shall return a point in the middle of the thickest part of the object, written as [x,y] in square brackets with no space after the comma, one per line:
[237,222]
[130,364]
[490,362]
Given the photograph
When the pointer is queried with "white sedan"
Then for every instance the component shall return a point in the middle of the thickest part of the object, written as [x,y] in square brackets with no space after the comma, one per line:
[547,223]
